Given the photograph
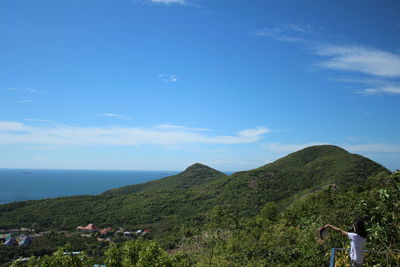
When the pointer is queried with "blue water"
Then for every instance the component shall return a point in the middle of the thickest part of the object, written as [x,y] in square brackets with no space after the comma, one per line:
[26,184]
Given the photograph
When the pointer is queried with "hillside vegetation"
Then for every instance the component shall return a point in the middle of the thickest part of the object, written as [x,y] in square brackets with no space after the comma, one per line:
[185,198]
[259,217]
[195,175]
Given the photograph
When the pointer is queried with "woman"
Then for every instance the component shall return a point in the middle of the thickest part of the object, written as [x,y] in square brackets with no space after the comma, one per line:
[357,243]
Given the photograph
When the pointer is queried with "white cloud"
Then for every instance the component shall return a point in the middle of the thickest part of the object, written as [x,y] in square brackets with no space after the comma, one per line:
[289,148]
[179,127]
[360,59]
[39,120]
[381,90]
[251,133]
[34,91]
[230,163]
[388,148]
[25,101]
[291,32]
[168,2]
[161,2]
[11,126]
[277,35]
[168,78]
[114,115]
[245,136]
[376,147]
[25,90]
[377,66]
[297,27]
[373,86]
[123,136]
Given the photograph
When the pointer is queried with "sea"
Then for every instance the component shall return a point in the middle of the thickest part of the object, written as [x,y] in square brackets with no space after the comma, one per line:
[31,184]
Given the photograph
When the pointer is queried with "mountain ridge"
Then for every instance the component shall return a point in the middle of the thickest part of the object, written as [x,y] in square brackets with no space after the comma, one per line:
[194,175]
[185,199]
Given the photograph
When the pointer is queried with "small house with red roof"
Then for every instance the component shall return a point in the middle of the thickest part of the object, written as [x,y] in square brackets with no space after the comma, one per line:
[106,231]
[147,231]
[88,228]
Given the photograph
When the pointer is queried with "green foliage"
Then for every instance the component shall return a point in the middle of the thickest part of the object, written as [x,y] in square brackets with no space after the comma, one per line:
[165,204]
[48,244]
[287,238]
[262,217]
[195,175]
[61,258]
[382,208]
[141,253]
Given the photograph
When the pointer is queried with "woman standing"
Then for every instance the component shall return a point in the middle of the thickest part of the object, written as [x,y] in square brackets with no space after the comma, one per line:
[357,243]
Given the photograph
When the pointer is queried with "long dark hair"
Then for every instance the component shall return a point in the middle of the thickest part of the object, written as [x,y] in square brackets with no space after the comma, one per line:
[359,228]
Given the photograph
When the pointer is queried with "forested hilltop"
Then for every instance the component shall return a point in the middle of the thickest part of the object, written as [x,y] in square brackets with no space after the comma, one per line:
[262,217]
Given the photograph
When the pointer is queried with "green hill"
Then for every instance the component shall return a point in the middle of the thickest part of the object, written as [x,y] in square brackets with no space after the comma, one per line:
[195,175]
[166,204]
[304,171]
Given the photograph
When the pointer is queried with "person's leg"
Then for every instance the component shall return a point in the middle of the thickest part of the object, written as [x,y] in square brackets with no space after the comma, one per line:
[355,264]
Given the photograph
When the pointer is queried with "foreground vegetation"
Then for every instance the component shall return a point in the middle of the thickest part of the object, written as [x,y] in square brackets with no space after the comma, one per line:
[271,238]
[263,217]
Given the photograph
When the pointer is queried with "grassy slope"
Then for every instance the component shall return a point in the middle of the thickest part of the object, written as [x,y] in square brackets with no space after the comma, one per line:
[167,203]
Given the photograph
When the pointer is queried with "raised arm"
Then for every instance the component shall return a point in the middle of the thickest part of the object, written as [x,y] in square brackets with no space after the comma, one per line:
[337,229]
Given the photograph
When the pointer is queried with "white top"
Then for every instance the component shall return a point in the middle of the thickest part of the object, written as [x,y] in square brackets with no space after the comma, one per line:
[356,247]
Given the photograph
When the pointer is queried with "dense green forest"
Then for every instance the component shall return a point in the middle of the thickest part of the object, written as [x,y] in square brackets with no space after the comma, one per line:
[262,217]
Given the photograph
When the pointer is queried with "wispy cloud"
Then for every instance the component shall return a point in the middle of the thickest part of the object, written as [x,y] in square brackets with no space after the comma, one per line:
[288,148]
[179,127]
[26,101]
[278,36]
[381,90]
[298,27]
[114,115]
[161,2]
[230,163]
[10,133]
[169,2]
[245,136]
[39,120]
[291,32]
[359,59]
[354,148]
[380,69]
[373,86]
[377,147]
[12,126]
[168,78]
[348,58]
[24,90]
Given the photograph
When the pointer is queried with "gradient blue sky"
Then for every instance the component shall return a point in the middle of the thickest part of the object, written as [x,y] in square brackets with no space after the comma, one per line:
[162,84]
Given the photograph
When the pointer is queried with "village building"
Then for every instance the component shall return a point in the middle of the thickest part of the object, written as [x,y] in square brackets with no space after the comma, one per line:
[4,237]
[88,228]
[10,242]
[24,240]
[106,231]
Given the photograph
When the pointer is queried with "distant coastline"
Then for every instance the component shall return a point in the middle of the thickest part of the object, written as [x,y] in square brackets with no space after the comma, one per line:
[32,184]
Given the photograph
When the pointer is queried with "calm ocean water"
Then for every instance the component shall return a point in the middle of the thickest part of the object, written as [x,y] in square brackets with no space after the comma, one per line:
[25,184]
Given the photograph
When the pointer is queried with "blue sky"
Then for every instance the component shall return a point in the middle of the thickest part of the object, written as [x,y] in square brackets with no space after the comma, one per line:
[162,84]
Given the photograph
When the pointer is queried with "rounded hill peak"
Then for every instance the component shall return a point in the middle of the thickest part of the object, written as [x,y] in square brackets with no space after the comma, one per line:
[323,148]
[314,152]
[197,166]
